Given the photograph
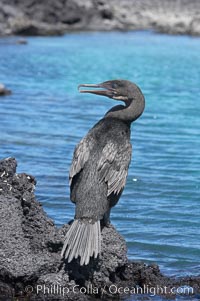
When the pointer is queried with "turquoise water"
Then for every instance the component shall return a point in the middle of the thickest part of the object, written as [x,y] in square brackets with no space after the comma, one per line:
[45,117]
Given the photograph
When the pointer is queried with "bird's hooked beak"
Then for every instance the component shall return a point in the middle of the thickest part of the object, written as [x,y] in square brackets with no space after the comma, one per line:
[105,89]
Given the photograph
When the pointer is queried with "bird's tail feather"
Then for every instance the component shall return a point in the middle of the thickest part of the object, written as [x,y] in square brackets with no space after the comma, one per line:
[83,239]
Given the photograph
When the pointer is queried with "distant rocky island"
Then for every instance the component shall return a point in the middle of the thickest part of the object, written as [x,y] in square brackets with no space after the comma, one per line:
[49,17]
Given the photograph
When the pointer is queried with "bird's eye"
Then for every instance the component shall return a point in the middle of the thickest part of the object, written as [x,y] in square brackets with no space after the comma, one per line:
[115,85]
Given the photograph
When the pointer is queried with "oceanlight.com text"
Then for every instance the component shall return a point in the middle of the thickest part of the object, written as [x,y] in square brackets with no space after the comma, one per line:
[113,289]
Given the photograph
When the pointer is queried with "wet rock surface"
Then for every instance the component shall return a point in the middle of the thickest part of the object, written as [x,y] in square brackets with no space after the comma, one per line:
[34,17]
[4,91]
[30,263]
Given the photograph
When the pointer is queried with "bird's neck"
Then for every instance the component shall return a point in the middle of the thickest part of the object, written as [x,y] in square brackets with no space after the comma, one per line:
[130,112]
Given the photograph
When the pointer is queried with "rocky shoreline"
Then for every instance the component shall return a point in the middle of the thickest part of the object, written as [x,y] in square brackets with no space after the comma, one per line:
[30,262]
[33,17]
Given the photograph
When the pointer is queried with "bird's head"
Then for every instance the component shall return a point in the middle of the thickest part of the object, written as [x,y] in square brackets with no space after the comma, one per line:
[123,90]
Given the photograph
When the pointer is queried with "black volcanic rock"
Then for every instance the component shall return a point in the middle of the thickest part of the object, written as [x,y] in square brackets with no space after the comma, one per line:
[29,237]
[30,262]
[30,252]
[4,91]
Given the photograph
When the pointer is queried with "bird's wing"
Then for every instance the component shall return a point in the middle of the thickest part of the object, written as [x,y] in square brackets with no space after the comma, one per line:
[81,155]
[113,166]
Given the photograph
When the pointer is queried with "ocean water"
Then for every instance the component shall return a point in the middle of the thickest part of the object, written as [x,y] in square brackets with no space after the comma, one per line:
[45,117]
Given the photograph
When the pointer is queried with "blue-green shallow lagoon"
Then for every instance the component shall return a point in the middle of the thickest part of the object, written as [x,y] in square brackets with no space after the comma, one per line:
[45,117]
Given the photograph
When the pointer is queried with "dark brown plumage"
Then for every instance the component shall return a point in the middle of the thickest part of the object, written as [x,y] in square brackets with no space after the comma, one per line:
[99,169]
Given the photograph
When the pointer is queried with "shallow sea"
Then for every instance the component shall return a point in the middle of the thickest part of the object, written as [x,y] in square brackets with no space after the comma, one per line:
[45,117]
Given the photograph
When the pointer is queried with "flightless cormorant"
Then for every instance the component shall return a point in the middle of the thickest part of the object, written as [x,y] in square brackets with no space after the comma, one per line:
[99,168]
